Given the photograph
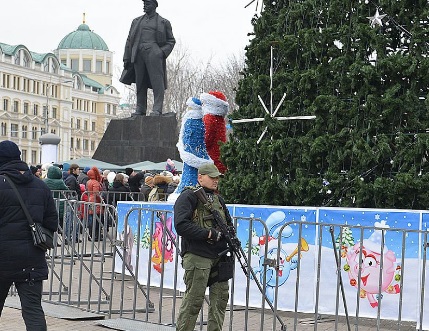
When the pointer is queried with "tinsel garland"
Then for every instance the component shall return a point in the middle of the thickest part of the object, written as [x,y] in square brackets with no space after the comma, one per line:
[215,133]
[192,150]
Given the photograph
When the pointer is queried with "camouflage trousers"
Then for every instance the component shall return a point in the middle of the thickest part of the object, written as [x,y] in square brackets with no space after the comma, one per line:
[197,272]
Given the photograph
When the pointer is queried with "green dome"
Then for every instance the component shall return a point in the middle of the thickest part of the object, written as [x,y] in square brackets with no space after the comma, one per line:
[83,38]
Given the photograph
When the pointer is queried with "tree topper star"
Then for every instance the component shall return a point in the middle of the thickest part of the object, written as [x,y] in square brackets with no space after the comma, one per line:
[376,19]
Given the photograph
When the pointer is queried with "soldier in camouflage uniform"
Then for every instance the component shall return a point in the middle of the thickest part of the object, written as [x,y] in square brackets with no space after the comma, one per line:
[201,246]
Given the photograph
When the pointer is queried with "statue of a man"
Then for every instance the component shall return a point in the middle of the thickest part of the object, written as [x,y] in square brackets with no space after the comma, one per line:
[148,45]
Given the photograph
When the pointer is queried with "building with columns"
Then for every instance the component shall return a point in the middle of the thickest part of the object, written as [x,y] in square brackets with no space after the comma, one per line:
[67,92]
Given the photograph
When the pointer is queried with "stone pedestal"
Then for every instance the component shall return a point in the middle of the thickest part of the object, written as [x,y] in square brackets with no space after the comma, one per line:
[144,138]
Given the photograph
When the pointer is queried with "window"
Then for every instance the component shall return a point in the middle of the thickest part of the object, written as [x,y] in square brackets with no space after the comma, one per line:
[72,123]
[85,125]
[34,133]
[46,66]
[85,144]
[34,157]
[87,65]
[3,129]
[54,112]
[71,142]
[36,87]
[27,60]
[78,143]
[26,106]
[25,84]
[14,130]
[108,109]
[24,155]
[16,82]
[75,64]
[15,106]
[107,67]
[5,104]
[18,58]
[54,67]
[92,145]
[36,110]
[78,124]
[114,110]
[93,126]
[24,132]
[6,80]
[99,67]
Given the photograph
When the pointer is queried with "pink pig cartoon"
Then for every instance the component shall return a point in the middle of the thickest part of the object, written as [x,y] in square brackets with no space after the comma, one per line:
[371,266]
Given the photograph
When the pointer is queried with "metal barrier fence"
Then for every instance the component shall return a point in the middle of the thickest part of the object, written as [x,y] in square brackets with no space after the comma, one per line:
[98,267]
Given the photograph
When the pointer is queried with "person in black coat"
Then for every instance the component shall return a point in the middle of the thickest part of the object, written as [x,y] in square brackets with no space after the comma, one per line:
[21,262]
[119,191]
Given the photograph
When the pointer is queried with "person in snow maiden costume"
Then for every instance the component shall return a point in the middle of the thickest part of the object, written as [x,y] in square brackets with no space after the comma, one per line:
[215,108]
[201,245]
[21,262]
[191,146]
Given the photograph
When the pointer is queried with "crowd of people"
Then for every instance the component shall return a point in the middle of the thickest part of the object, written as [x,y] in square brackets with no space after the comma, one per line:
[101,187]
[112,186]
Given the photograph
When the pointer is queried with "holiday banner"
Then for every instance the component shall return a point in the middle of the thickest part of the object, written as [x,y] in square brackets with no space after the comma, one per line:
[424,244]
[279,236]
[380,249]
[389,241]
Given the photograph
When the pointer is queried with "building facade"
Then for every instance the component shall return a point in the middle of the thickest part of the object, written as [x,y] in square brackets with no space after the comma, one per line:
[67,92]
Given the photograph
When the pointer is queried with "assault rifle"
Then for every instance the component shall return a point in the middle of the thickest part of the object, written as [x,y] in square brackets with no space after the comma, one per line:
[234,246]
[228,232]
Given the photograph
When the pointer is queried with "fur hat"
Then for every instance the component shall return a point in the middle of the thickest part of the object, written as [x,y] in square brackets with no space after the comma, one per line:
[160,179]
[9,151]
[214,103]
[148,180]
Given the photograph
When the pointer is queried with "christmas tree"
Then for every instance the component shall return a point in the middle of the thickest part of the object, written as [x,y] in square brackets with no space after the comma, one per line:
[344,241]
[145,240]
[361,68]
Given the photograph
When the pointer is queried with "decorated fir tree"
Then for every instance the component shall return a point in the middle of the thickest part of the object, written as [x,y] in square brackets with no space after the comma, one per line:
[145,240]
[361,68]
[344,241]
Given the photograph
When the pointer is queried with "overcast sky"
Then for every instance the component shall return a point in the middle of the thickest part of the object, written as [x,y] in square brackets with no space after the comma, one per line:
[207,29]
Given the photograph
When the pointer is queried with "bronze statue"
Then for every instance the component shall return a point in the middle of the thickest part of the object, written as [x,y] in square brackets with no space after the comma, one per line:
[149,43]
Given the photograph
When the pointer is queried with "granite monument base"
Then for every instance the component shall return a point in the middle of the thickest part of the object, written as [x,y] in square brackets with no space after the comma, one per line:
[143,138]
